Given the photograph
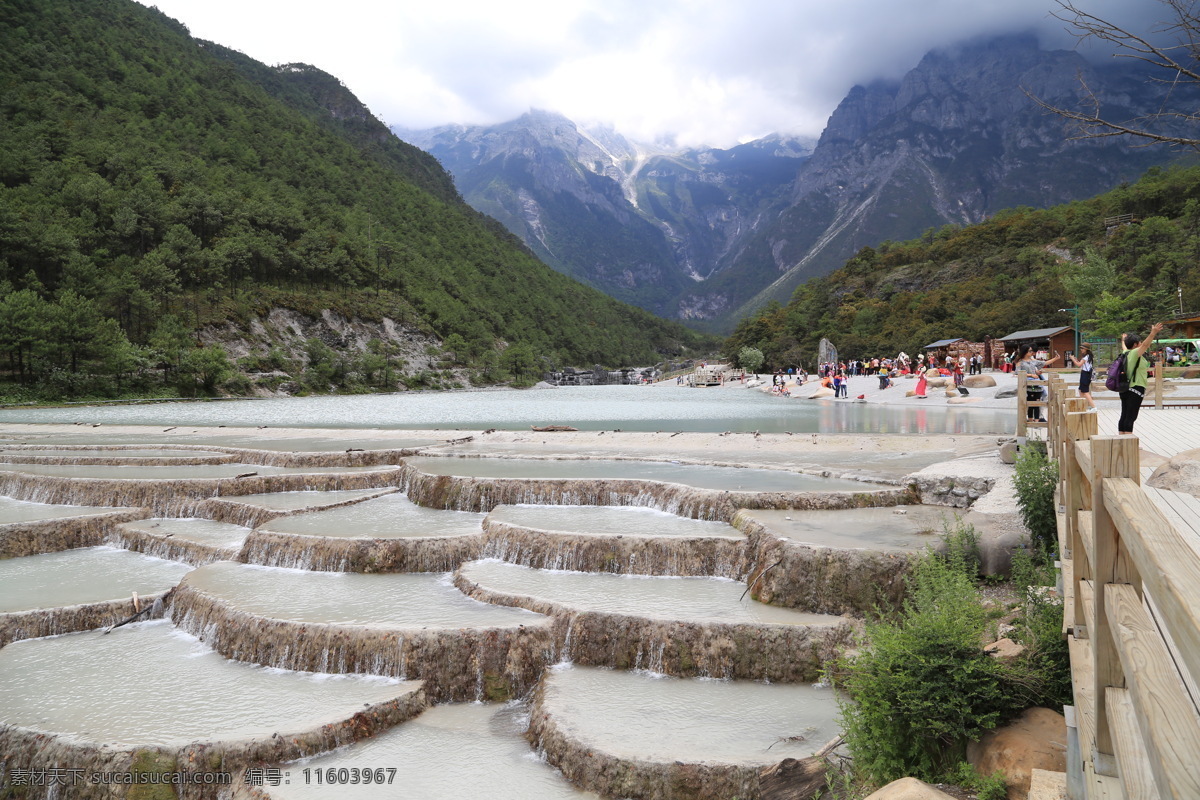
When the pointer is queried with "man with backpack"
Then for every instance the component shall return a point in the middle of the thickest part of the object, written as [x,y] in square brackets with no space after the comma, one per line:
[1129,375]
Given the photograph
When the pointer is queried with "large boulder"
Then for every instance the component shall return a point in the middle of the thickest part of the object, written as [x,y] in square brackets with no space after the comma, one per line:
[822,391]
[909,789]
[1004,394]
[979,381]
[1181,473]
[1035,740]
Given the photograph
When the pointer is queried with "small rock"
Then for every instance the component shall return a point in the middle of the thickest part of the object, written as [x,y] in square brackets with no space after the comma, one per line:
[1005,650]
[908,789]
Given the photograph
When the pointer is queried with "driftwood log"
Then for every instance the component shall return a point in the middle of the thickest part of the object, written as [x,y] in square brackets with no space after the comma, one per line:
[796,778]
[552,428]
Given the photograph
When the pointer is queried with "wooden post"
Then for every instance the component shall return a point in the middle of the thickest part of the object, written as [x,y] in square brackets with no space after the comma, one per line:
[1078,499]
[1112,457]
[1022,407]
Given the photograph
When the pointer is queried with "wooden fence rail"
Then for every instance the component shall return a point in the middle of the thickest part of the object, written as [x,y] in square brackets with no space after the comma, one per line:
[1131,615]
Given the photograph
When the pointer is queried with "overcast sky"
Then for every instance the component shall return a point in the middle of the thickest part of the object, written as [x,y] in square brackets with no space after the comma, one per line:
[702,71]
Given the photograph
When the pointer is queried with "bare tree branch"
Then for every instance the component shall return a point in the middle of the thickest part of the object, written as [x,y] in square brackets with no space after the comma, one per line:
[1181,60]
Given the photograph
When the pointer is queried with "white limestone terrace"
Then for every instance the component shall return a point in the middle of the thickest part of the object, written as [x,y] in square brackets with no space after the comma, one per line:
[609,521]
[206,532]
[83,575]
[51,686]
[13,511]
[420,601]
[391,516]
[458,750]
[694,599]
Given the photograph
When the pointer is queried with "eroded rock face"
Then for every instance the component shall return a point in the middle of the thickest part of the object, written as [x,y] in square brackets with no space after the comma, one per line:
[337,554]
[53,535]
[69,619]
[1181,473]
[483,494]
[684,648]
[956,491]
[1035,740]
[182,497]
[457,664]
[826,580]
[642,555]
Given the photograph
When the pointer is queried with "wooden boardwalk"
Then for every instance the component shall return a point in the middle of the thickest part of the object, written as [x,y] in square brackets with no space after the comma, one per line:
[1131,573]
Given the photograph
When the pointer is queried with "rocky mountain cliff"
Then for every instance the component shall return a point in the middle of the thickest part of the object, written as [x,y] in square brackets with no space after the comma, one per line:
[957,140]
[710,235]
[641,223]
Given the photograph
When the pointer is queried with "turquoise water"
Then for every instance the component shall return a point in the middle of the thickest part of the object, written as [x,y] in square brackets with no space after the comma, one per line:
[631,408]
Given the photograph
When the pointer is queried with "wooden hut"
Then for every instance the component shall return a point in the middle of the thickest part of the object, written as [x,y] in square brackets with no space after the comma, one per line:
[1052,340]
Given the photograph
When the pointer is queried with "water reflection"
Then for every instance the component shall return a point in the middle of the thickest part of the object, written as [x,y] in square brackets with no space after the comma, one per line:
[633,408]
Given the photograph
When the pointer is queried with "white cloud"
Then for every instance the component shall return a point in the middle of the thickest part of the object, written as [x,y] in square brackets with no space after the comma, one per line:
[709,71]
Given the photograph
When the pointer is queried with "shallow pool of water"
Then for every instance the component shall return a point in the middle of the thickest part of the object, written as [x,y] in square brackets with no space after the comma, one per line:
[133,453]
[392,516]
[449,752]
[395,600]
[13,510]
[655,718]
[169,472]
[610,521]
[201,531]
[148,684]
[653,597]
[907,528]
[700,476]
[292,501]
[631,408]
[83,575]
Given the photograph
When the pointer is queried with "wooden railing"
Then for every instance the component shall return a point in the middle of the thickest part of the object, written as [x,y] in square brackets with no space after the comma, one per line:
[1024,383]
[1131,615]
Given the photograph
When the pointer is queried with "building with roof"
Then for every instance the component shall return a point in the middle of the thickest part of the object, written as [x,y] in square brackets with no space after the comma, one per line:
[1052,340]
[1186,326]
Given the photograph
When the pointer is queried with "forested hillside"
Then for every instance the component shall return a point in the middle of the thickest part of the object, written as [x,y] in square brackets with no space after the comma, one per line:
[1013,272]
[153,186]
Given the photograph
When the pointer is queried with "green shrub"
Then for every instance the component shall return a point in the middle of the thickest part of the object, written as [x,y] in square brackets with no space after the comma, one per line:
[991,787]
[961,542]
[921,687]
[1039,629]
[1035,479]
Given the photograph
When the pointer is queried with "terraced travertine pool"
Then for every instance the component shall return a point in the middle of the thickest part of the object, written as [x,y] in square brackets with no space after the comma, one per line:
[507,643]
[392,516]
[83,575]
[696,475]
[151,685]
[609,521]
[416,600]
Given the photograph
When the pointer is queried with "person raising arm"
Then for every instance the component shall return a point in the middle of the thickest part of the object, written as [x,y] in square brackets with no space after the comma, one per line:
[1138,371]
